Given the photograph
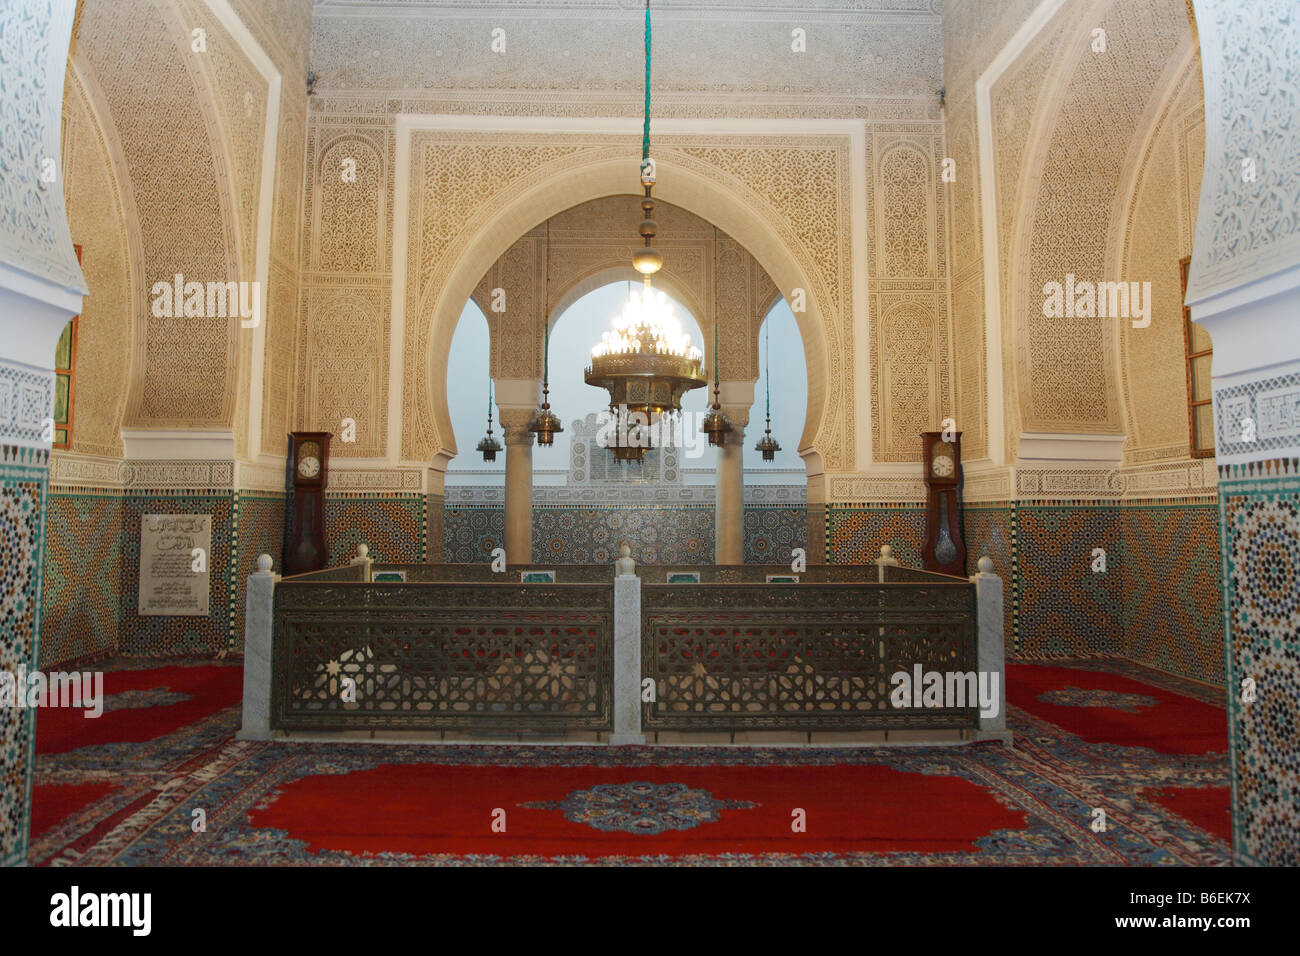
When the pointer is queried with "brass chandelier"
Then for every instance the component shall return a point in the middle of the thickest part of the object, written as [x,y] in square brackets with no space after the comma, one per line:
[646,362]
[489,446]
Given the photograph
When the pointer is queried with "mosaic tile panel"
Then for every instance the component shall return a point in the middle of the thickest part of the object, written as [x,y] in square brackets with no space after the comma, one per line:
[771,534]
[856,533]
[23,484]
[150,636]
[259,530]
[1260,515]
[81,604]
[670,534]
[433,514]
[393,527]
[1172,583]
[1066,609]
[470,534]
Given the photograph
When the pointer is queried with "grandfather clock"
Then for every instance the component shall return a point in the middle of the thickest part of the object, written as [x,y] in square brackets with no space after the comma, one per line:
[944,550]
[308,463]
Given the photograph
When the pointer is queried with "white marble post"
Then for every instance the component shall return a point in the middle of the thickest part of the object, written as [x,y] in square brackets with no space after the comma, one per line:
[257,652]
[627,652]
[886,560]
[992,652]
[364,561]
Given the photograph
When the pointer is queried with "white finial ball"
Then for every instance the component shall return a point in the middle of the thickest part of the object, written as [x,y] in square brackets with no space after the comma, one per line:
[986,565]
[624,550]
[886,551]
[264,563]
[363,549]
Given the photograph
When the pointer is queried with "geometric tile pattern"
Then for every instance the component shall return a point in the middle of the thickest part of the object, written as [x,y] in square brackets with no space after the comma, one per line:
[24,476]
[1261,554]
[1066,609]
[856,533]
[81,610]
[161,636]
[772,533]
[1172,589]
[658,534]
[392,527]
[469,535]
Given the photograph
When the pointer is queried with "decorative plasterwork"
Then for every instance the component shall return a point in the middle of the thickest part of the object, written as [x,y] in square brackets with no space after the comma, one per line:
[592,244]
[184,203]
[26,398]
[798,186]
[34,236]
[375,479]
[1248,227]
[1065,368]
[877,487]
[853,47]
[186,473]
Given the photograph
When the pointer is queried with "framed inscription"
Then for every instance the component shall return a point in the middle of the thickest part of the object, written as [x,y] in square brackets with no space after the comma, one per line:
[175,563]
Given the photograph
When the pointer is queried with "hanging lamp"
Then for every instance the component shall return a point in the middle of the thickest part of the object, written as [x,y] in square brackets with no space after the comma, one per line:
[545,423]
[489,446]
[768,445]
[646,362]
[716,425]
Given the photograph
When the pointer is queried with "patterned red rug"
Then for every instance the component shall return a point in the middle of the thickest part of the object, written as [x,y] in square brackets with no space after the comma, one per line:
[425,809]
[1105,707]
[187,793]
[142,704]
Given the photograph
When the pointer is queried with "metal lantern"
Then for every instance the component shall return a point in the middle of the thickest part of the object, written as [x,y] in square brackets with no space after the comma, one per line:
[768,445]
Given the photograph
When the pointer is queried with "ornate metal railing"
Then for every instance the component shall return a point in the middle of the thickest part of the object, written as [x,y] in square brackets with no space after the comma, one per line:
[469,656]
[807,656]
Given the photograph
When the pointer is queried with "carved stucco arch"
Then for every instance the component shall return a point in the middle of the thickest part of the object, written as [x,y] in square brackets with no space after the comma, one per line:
[1045,191]
[605,172]
[1132,344]
[145,169]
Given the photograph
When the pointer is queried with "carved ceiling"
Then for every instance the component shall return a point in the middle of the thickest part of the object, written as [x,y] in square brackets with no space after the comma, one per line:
[853,47]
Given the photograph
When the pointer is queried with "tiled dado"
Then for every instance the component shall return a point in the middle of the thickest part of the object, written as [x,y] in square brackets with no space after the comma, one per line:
[1158,600]
[24,475]
[81,603]
[1259,508]
[589,534]
[391,525]
[165,636]
[92,565]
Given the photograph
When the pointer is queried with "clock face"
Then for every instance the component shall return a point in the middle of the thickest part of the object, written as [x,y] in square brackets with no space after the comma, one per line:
[941,466]
[308,459]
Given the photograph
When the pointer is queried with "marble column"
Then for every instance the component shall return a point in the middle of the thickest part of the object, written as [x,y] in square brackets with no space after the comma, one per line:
[729,510]
[519,485]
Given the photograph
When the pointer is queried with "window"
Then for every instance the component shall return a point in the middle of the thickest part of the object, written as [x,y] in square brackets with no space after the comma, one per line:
[65,360]
[1200,410]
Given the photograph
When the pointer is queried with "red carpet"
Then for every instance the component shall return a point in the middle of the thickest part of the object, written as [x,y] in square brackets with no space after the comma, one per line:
[1210,808]
[1125,712]
[209,689]
[54,803]
[428,809]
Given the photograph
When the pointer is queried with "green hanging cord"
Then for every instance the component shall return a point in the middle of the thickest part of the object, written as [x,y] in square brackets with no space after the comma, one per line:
[489,399]
[645,135]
